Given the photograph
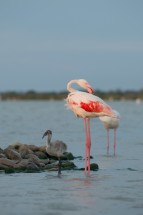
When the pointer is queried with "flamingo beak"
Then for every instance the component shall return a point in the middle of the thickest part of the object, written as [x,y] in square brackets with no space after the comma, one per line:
[44,135]
[90,89]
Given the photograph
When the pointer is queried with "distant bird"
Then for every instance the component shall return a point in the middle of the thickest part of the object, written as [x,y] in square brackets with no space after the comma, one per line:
[55,149]
[86,106]
[111,123]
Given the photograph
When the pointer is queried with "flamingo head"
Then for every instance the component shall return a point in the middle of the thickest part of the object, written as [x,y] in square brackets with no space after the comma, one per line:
[47,132]
[84,84]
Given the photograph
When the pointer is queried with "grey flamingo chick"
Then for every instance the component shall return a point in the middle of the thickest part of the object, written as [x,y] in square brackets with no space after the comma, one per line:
[56,148]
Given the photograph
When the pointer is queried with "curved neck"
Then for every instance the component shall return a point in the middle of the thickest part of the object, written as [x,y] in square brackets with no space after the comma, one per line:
[69,88]
[49,139]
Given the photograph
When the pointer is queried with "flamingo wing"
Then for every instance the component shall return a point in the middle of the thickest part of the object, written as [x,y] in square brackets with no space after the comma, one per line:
[88,104]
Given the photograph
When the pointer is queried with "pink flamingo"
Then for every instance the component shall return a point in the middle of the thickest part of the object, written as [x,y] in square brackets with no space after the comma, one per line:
[111,123]
[86,105]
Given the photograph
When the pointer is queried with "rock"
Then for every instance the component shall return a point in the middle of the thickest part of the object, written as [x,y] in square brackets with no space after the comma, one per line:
[52,166]
[39,162]
[2,171]
[42,165]
[52,158]
[34,159]
[26,165]
[32,167]
[78,157]
[1,151]
[22,164]
[9,170]
[6,169]
[93,167]
[68,156]
[20,157]
[41,155]
[33,148]
[12,154]
[42,148]
[45,161]
[68,165]
[7,162]
[2,166]
[15,145]
[24,150]
[2,155]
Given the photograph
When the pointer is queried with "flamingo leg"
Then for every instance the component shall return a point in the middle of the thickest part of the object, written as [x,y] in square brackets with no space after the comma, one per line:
[107,141]
[85,157]
[89,144]
[59,167]
[114,141]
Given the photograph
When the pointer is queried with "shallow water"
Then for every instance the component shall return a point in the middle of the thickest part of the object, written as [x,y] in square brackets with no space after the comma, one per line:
[117,188]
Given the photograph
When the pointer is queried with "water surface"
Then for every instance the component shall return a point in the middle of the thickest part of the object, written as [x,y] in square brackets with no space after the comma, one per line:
[117,188]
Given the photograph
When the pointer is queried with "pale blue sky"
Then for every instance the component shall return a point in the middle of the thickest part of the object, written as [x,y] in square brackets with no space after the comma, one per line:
[46,43]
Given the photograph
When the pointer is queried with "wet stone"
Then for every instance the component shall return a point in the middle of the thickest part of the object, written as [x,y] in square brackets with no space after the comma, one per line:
[1,151]
[68,165]
[20,157]
[2,155]
[33,148]
[34,159]
[15,145]
[93,167]
[7,162]
[24,150]
[68,156]
[42,149]
[41,155]
[12,154]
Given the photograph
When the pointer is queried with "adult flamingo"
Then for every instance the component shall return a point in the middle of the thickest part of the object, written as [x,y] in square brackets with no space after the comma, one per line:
[111,123]
[86,105]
